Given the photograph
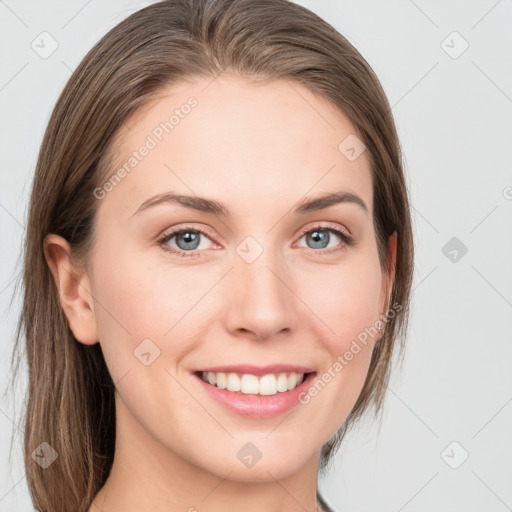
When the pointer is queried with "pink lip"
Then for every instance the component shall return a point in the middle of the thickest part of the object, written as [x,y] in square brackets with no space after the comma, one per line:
[256,406]
[258,370]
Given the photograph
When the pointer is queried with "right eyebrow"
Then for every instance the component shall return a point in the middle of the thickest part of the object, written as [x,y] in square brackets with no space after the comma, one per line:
[201,204]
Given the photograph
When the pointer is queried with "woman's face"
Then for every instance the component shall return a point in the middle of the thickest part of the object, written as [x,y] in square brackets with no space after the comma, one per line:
[242,285]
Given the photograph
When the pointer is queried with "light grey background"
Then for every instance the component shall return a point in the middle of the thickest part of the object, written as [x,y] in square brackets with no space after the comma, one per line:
[454,116]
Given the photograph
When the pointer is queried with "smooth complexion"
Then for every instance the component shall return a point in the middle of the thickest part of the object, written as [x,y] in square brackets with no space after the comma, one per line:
[259,150]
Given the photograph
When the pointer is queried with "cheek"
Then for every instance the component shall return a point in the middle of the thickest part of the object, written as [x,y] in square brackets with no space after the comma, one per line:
[345,298]
[137,301]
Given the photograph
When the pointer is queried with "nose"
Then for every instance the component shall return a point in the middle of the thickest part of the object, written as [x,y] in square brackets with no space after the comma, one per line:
[262,302]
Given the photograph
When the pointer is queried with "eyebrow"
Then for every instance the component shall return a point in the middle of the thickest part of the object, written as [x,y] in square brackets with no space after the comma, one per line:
[206,205]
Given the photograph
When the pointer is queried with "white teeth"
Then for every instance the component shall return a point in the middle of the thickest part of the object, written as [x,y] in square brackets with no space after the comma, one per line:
[268,385]
[282,382]
[222,380]
[249,384]
[233,382]
[292,380]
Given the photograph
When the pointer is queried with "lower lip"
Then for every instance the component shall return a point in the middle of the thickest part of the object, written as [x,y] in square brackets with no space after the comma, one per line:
[257,406]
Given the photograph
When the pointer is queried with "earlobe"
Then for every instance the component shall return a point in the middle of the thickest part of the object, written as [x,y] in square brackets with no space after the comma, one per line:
[74,289]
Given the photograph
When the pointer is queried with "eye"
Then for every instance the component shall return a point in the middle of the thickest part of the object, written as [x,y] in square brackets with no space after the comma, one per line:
[320,238]
[187,240]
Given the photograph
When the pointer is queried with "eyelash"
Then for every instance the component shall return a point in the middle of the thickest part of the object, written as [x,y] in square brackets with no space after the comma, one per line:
[347,240]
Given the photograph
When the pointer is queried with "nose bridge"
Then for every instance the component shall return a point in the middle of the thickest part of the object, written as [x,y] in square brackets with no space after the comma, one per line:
[262,301]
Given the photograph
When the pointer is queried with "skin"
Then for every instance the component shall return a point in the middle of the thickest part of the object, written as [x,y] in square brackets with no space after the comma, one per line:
[259,149]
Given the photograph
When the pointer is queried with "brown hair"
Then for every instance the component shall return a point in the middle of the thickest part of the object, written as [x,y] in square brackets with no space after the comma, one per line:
[70,393]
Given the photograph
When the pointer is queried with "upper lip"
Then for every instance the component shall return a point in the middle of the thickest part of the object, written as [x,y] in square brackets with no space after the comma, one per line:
[258,370]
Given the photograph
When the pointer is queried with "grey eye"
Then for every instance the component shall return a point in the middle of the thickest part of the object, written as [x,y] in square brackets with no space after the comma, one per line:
[319,238]
[187,240]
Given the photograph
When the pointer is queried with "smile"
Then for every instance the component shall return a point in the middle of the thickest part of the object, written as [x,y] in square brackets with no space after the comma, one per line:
[265,393]
[249,384]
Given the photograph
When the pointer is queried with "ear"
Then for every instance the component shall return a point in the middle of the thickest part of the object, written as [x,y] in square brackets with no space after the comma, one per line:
[388,277]
[74,289]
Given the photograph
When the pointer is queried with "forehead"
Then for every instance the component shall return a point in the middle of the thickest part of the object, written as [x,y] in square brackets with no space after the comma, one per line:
[241,142]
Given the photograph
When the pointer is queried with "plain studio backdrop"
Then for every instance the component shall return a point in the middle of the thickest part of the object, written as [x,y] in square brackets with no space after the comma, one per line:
[445,442]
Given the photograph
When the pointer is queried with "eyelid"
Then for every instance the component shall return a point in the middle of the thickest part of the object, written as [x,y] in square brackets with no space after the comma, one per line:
[326,225]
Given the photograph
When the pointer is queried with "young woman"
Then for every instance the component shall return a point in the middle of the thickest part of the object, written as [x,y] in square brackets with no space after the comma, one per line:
[217,265]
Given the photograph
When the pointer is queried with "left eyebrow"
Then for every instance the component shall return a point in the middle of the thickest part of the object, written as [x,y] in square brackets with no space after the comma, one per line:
[206,205]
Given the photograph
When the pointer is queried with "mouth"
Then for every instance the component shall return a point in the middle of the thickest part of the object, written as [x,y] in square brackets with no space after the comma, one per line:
[257,395]
[267,384]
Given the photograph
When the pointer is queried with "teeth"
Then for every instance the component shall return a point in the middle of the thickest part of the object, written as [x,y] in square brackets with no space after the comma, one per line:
[222,381]
[233,382]
[249,384]
[282,382]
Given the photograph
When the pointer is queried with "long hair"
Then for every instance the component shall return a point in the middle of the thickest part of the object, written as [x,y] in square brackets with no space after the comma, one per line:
[70,402]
